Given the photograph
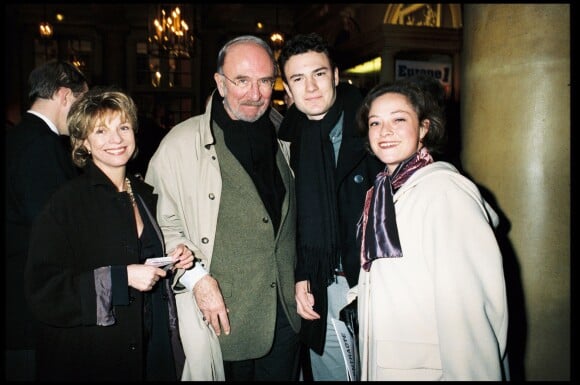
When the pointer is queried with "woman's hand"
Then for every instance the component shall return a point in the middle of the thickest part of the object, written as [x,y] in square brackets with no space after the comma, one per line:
[144,277]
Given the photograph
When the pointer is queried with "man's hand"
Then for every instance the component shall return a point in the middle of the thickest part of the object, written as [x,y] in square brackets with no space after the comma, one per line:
[182,256]
[211,303]
[305,301]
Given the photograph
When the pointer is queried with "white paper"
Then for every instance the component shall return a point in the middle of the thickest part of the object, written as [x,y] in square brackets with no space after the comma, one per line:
[348,348]
[161,261]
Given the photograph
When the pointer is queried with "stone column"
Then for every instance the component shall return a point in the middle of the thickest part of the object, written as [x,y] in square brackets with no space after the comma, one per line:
[515,109]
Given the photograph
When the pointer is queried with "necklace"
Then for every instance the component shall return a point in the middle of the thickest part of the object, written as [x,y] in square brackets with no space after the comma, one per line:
[130,190]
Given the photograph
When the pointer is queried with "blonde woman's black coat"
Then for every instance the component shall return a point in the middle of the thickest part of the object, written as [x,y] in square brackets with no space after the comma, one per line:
[87,228]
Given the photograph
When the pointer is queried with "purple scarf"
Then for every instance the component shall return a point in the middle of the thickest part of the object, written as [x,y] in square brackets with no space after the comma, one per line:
[377,229]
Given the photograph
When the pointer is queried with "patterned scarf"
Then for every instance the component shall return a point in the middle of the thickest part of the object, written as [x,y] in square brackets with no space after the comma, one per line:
[377,231]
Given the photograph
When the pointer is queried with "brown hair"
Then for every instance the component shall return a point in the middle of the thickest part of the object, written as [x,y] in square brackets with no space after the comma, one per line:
[425,104]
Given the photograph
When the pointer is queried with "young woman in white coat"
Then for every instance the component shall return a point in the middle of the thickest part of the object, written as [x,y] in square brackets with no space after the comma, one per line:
[431,292]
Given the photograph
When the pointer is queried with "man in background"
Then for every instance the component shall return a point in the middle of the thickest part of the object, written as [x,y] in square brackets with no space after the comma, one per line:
[38,161]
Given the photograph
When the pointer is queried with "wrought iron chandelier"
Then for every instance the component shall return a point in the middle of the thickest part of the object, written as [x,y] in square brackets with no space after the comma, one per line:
[169,33]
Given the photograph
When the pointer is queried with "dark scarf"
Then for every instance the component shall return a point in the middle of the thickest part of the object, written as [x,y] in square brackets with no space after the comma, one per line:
[377,231]
[318,234]
[255,146]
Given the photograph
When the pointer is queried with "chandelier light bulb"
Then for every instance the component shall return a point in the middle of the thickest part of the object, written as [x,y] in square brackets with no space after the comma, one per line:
[45,30]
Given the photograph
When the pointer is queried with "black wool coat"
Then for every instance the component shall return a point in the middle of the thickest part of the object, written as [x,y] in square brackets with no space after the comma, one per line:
[355,173]
[88,225]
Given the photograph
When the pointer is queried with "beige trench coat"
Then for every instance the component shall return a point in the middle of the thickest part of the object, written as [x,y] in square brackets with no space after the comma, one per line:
[193,189]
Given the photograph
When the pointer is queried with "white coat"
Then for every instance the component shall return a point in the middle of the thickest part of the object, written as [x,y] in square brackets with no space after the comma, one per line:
[440,311]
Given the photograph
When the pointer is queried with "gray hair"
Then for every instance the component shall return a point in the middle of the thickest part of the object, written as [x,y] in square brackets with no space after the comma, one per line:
[245,39]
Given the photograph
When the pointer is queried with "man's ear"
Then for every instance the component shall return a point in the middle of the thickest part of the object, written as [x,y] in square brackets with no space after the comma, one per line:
[287,89]
[63,95]
[220,83]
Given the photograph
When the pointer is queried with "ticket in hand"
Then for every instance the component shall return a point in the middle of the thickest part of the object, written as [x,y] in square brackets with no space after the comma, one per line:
[159,262]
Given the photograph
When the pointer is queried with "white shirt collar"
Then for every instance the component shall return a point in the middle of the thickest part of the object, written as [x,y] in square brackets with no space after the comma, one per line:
[46,120]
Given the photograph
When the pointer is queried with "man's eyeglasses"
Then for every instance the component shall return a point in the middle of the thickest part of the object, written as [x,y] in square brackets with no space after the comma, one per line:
[265,84]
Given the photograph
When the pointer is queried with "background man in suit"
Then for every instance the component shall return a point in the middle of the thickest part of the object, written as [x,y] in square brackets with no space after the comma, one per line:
[37,163]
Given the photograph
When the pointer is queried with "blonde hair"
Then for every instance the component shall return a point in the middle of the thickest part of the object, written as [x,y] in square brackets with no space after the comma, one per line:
[89,110]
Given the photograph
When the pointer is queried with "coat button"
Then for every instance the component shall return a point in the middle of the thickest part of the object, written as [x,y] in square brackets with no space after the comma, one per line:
[358,178]
[131,299]
[204,240]
[265,220]
[211,196]
[273,284]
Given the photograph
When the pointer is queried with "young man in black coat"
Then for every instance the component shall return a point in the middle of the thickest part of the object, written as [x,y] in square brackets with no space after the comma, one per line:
[333,172]
[37,163]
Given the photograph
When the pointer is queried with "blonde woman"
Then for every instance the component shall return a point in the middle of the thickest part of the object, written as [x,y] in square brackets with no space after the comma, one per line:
[106,313]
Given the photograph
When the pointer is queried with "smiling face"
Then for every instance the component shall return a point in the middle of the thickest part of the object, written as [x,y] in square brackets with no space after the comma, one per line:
[311,82]
[395,132]
[111,142]
[251,63]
